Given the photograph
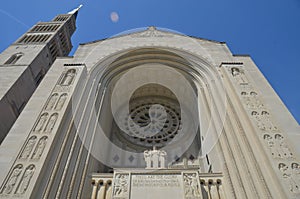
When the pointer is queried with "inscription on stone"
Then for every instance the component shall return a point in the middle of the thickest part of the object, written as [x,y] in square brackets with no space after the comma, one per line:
[161,186]
[155,181]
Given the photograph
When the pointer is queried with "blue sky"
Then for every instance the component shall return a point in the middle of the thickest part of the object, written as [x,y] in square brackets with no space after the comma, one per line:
[269,31]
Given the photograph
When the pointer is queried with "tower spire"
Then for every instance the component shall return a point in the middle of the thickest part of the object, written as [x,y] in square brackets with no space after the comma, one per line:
[75,11]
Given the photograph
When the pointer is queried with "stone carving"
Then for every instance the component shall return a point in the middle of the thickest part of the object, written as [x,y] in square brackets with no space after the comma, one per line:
[26,179]
[121,186]
[61,102]
[191,186]
[284,151]
[271,145]
[239,76]
[28,148]
[152,32]
[51,122]
[263,121]
[12,179]
[267,124]
[251,100]
[155,159]
[68,77]
[291,175]
[51,102]
[39,149]
[41,123]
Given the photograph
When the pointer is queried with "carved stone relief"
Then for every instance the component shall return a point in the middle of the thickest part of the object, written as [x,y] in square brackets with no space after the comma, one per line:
[13,178]
[39,149]
[251,100]
[51,122]
[61,102]
[239,76]
[41,122]
[26,179]
[121,189]
[263,121]
[278,147]
[51,102]
[28,148]
[282,146]
[191,186]
[291,175]
[68,77]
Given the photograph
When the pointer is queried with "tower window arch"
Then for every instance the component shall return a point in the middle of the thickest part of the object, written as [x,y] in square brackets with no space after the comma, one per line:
[14,58]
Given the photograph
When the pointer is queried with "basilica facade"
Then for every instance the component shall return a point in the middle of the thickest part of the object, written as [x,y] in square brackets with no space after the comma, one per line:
[147,114]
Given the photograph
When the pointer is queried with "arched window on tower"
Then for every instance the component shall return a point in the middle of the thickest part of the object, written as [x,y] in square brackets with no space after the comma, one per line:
[14,58]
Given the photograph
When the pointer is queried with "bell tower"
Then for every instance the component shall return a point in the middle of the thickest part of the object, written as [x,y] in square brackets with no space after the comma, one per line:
[25,62]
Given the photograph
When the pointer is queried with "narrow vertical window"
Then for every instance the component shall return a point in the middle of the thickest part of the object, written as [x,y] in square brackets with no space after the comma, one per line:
[14,58]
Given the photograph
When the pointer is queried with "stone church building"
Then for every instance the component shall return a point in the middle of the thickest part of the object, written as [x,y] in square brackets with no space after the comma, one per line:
[146,114]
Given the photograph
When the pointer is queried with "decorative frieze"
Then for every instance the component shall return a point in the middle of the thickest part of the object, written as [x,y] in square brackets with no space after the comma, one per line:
[121,186]
[191,186]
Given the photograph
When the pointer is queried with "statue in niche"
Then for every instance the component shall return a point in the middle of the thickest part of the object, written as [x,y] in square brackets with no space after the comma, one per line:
[284,150]
[28,148]
[26,179]
[68,77]
[61,102]
[191,185]
[40,148]
[271,145]
[239,76]
[13,179]
[41,122]
[51,101]
[121,185]
[51,122]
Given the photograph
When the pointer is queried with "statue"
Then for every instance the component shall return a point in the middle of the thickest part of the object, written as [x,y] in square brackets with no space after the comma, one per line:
[155,159]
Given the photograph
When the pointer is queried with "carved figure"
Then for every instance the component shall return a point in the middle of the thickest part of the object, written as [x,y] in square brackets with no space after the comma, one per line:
[291,176]
[51,101]
[191,185]
[155,159]
[40,148]
[61,102]
[284,150]
[271,145]
[26,179]
[13,179]
[238,76]
[267,123]
[28,148]
[121,186]
[252,101]
[51,122]
[68,78]
[295,178]
[41,122]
